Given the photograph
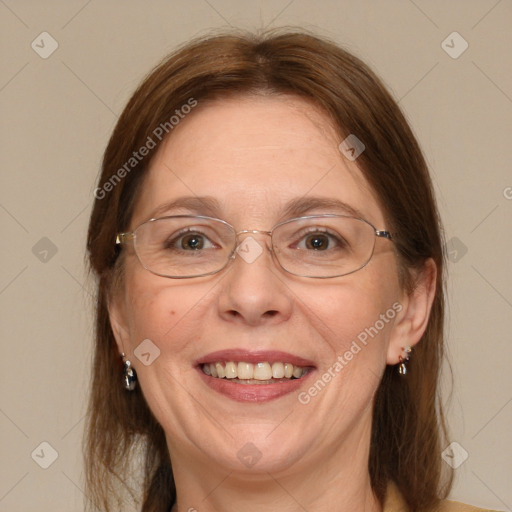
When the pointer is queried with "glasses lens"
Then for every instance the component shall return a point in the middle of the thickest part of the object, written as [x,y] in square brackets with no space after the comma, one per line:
[324,246]
[184,246]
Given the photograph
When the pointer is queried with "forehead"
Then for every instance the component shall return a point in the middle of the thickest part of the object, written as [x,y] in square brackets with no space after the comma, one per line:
[254,155]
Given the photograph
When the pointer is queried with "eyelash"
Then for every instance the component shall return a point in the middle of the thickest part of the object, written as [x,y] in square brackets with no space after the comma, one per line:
[317,230]
[170,242]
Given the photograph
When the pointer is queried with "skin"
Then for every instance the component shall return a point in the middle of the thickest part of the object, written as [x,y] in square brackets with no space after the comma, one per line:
[254,154]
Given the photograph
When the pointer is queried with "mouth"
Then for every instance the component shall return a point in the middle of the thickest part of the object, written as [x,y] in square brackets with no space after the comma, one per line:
[254,376]
[242,372]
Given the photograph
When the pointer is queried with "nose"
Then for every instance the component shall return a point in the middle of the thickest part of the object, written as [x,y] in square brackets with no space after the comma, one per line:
[253,290]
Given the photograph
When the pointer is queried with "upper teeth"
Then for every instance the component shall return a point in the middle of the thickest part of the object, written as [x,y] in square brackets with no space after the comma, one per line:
[258,371]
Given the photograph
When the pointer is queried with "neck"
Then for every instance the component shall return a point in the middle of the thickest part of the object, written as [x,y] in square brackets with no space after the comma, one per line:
[338,481]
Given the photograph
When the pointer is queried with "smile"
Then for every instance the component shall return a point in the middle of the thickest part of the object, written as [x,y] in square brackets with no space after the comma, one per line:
[258,373]
[254,376]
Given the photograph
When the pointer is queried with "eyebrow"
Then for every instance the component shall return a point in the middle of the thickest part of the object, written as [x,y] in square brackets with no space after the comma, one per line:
[305,205]
[199,205]
[210,207]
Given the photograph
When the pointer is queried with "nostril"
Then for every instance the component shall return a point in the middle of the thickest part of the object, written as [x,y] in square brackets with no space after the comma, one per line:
[270,313]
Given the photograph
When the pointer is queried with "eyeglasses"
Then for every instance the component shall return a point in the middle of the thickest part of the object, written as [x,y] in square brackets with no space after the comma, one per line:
[318,246]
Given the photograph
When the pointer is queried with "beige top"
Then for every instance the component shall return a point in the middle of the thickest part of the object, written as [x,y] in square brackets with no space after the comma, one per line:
[395,503]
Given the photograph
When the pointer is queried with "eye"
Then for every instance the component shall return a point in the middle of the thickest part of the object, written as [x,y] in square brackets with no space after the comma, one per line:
[189,241]
[320,240]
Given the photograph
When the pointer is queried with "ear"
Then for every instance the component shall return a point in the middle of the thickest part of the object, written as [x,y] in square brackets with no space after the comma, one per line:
[116,311]
[412,320]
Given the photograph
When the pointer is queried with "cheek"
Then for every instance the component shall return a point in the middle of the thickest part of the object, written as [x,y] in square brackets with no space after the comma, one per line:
[355,315]
[354,320]
[159,308]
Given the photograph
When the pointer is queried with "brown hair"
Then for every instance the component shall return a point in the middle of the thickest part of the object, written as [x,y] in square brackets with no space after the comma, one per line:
[408,425]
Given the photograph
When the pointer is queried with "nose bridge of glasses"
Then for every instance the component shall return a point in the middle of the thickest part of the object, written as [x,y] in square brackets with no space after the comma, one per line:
[252,232]
[240,239]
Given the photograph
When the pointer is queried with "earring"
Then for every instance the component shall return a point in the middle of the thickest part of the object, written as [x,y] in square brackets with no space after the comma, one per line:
[402,366]
[129,375]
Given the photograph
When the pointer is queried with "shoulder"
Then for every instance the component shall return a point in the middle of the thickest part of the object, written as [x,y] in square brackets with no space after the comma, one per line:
[455,506]
[395,503]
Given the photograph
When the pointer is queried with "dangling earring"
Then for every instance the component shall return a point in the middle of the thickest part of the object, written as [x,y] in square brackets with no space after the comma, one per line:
[402,366]
[129,375]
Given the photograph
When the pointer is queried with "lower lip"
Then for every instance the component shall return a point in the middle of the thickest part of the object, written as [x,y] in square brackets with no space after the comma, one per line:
[253,392]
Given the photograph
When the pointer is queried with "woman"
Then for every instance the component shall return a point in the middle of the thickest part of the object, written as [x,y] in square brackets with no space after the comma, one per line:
[270,290]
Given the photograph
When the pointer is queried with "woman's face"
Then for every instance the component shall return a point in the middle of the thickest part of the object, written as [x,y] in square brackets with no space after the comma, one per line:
[252,157]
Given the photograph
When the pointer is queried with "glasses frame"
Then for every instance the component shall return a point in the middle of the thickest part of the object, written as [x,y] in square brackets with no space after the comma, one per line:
[131,237]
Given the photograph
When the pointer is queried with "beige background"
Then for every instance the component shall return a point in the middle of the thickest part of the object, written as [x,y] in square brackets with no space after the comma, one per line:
[57,114]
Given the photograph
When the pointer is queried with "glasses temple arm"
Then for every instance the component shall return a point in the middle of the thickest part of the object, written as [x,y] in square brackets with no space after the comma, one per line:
[123,238]
[383,234]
